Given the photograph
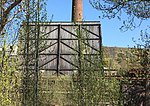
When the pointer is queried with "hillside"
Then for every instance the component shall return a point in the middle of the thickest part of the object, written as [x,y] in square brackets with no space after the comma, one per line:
[119,58]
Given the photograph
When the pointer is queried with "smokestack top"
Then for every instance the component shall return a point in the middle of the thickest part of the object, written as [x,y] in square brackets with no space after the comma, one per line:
[76,10]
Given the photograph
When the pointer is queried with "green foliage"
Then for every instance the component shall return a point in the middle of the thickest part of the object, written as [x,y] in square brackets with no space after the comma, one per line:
[93,88]
[90,87]
[31,82]
[54,90]
[137,86]
[45,90]
[10,79]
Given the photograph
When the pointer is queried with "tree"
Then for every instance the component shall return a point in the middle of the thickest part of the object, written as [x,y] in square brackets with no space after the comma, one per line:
[136,82]
[9,11]
[13,14]
[31,33]
[90,86]
[142,52]
[137,11]
[10,78]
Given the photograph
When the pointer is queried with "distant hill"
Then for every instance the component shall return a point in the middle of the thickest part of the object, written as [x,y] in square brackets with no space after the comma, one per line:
[118,58]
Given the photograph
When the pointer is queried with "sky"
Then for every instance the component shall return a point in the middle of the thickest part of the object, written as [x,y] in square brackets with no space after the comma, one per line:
[61,10]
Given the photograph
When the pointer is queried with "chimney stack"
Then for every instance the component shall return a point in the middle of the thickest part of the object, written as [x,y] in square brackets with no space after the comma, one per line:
[76,10]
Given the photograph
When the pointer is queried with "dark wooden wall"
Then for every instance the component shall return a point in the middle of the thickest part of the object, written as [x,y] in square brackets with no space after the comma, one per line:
[59,44]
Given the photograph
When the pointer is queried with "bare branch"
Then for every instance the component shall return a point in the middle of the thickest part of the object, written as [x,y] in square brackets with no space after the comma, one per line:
[5,14]
[134,9]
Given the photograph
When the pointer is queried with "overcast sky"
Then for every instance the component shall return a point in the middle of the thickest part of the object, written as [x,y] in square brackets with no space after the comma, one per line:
[112,36]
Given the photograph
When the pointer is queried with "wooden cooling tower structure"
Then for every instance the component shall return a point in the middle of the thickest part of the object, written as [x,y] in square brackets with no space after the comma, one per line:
[60,45]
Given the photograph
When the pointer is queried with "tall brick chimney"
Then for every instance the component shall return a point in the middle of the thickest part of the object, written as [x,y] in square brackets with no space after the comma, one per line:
[76,10]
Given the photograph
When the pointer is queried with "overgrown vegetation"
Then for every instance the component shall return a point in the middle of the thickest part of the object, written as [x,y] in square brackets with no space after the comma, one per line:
[10,78]
[89,85]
